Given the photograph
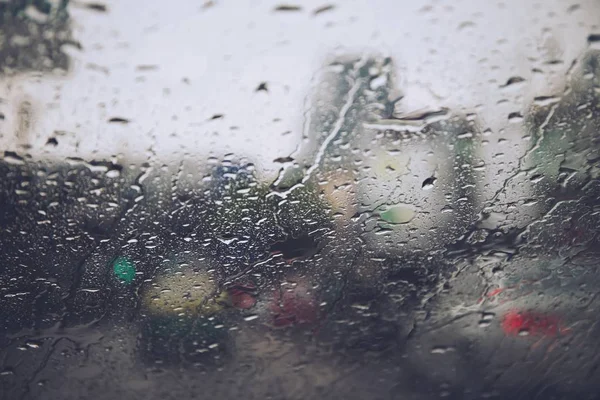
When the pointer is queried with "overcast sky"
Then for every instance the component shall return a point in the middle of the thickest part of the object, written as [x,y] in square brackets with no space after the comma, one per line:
[169,67]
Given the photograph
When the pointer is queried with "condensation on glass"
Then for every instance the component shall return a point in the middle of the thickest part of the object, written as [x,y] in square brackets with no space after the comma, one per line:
[362,199]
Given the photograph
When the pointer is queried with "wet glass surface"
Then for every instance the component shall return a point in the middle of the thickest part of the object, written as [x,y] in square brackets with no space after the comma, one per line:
[359,200]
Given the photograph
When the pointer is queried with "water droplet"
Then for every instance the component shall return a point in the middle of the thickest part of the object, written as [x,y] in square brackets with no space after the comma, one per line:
[428,183]
[515,117]
[441,349]
[447,209]
[96,7]
[118,120]
[513,81]
[288,7]
[13,158]
[594,41]
[543,101]
[486,319]
[398,214]
[113,173]
[323,9]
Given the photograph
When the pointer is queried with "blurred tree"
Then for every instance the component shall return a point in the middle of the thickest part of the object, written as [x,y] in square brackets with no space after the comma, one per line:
[32,35]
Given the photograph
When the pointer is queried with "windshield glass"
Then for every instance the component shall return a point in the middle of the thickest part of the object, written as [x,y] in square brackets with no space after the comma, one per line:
[362,199]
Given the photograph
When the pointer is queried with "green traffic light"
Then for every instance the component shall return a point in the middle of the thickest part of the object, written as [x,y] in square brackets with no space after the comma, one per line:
[124,269]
